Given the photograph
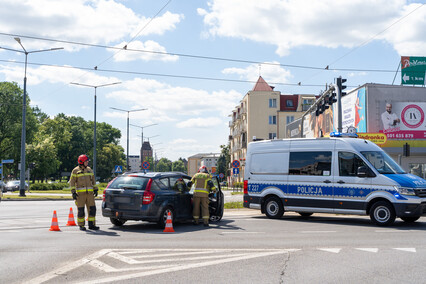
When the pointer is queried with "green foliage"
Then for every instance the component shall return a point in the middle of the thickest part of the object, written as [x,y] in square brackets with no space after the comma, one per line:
[48,186]
[164,165]
[233,205]
[224,160]
[107,158]
[178,166]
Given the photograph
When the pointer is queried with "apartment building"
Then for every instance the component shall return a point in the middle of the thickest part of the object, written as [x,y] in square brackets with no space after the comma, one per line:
[263,114]
[203,159]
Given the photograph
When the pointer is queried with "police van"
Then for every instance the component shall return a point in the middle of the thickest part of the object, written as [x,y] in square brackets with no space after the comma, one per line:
[337,175]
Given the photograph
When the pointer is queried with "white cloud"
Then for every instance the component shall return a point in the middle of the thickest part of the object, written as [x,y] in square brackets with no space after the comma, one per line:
[273,73]
[327,23]
[89,21]
[153,52]
[199,122]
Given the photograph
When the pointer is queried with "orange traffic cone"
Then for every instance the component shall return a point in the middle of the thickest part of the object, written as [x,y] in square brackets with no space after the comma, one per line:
[71,221]
[54,226]
[169,224]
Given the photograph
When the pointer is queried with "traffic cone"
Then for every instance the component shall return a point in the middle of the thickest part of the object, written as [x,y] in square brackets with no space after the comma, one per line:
[54,226]
[71,221]
[169,224]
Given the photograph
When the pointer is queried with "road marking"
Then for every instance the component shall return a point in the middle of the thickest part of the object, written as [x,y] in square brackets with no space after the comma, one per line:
[406,249]
[368,249]
[242,232]
[310,232]
[333,250]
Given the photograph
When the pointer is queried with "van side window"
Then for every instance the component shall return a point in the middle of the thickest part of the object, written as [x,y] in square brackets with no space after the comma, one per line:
[349,163]
[310,163]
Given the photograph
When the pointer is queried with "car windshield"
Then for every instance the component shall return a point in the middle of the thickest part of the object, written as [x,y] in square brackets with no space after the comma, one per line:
[383,163]
[14,182]
[129,182]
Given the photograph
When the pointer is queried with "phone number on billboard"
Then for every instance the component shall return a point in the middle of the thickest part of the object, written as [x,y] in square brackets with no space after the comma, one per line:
[399,135]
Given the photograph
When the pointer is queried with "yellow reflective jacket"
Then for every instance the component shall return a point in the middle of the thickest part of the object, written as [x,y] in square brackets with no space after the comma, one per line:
[201,182]
[82,179]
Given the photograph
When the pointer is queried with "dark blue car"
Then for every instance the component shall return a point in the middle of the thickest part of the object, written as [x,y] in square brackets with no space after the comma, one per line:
[151,196]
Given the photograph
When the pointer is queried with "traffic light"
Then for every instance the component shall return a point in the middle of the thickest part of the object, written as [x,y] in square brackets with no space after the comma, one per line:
[340,85]
[333,98]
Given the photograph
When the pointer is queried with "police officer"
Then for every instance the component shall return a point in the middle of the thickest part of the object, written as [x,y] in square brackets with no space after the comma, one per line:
[203,185]
[84,191]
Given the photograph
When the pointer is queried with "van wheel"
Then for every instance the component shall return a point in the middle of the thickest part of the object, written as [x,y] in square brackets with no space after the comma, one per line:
[382,213]
[410,219]
[163,217]
[305,214]
[117,222]
[274,208]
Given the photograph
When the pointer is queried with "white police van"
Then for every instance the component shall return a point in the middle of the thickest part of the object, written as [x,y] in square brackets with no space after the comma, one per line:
[330,175]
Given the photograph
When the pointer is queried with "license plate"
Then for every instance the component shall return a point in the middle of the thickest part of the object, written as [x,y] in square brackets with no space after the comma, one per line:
[122,199]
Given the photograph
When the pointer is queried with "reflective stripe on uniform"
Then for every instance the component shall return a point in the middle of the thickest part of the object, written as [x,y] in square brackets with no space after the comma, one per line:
[91,219]
[84,189]
[201,190]
[82,175]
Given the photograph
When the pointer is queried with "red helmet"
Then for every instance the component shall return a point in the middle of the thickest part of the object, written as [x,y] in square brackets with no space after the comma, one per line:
[203,169]
[82,158]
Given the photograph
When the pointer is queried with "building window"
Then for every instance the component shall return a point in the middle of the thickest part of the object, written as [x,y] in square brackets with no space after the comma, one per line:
[289,103]
[290,119]
[307,104]
[272,119]
[272,103]
[272,135]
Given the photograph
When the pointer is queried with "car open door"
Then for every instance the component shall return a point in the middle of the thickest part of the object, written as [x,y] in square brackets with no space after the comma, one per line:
[216,202]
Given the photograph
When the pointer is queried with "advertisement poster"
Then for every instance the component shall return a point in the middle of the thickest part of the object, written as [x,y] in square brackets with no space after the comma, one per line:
[404,120]
[354,111]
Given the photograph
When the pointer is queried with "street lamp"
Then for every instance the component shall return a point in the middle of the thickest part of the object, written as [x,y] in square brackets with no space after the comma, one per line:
[142,127]
[152,137]
[128,111]
[94,121]
[24,110]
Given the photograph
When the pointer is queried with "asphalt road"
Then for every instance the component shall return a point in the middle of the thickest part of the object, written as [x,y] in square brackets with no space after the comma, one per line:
[245,247]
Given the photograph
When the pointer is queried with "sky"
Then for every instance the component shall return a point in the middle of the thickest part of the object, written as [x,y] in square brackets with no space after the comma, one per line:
[188,63]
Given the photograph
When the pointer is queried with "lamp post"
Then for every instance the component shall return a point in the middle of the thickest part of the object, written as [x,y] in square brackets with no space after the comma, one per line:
[128,111]
[142,127]
[152,137]
[24,111]
[94,120]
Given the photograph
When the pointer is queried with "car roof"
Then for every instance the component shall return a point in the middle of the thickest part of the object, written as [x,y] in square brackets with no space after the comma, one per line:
[155,174]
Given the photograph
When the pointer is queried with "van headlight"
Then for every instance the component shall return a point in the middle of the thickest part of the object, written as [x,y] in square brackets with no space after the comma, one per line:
[405,190]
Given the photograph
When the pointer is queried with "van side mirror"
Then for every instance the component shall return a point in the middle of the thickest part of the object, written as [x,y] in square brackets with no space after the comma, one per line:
[364,171]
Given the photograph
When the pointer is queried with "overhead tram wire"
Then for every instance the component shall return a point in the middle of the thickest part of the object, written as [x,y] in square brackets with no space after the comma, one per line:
[158,74]
[203,57]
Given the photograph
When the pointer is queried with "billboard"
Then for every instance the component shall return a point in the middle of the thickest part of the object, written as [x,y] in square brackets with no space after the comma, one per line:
[413,70]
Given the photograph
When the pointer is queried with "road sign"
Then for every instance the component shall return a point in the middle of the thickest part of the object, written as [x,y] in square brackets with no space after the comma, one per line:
[145,165]
[235,171]
[1,171]
[221,175]
[7,161]
[118,169]
[235,164]
[413,70]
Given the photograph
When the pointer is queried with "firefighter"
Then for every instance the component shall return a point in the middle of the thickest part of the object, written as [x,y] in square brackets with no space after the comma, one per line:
[203,185]
[84,191]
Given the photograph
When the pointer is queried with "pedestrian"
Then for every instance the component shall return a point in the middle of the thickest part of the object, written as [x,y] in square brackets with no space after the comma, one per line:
[84,191]
[203,185]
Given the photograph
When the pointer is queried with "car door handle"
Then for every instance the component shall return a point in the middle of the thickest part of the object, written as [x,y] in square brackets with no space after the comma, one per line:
[327,181]
[340,181]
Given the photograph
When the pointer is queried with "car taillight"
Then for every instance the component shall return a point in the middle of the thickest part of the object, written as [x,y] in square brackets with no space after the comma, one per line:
[246,187]
[103,195]
[148,195]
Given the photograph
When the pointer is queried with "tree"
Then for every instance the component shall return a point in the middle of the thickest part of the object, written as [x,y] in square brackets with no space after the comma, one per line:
[110,156]
[224,160]
[44,154]
[178,166]
[164,165]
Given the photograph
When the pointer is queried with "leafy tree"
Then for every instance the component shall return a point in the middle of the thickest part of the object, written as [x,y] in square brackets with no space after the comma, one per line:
[11,96]
[110,156]
[44,154]
[224,160]
[178,166]
[164,165]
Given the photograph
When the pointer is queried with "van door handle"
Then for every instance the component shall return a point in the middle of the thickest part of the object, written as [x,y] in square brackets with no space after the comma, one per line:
[340,181]
[327,181]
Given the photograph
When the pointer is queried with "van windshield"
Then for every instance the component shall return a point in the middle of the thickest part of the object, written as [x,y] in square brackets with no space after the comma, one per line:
[129,182]
[383,163]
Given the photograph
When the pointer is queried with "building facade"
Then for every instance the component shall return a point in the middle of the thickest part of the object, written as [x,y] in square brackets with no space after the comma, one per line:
[209,160]
[263,114]
[146,151]
[134,163]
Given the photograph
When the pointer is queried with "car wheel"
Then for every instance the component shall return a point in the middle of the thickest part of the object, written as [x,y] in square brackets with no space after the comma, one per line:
[305,214]
[117,222]
[382,213]
[163,217]
[274,208]
[410,219]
